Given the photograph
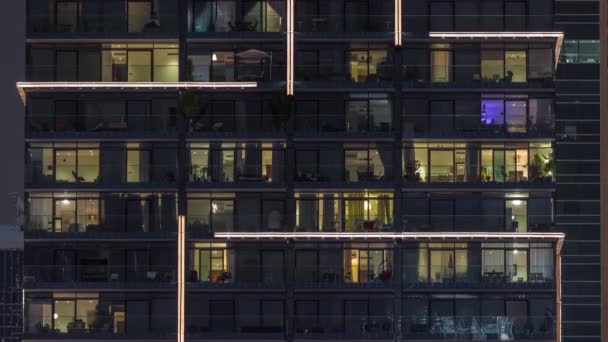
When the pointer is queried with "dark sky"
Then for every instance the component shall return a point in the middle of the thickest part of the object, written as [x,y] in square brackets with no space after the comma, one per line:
[12,59]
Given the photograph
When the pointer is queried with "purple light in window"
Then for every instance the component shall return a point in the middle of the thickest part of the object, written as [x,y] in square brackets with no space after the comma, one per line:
[492,112]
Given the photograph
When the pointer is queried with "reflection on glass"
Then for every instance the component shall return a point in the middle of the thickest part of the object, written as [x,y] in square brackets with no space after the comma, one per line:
[65,166]
[515,66]
[492,65]
[516,215]
[441,66]
[516,116]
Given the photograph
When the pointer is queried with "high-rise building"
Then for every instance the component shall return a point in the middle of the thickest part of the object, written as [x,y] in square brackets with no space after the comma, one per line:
[305,170]
[11,292]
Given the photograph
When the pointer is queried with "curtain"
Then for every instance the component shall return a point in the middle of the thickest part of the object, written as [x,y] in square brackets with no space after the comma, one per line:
[386,156]
[492,260]
[355,213]
[203,13]
[541,261]
[331,215]
[40,212]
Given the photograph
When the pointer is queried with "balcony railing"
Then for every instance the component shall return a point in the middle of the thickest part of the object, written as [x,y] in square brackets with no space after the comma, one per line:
[96,271]
[351,22]
[500,328]
[480,22]
[119,72]
[92,223]
[108,124]
[455,124]
[475,173]
[438,222]
[103,173]
[500,276]
[94,23]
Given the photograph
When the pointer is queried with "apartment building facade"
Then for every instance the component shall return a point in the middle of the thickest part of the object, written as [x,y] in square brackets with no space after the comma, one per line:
[345,170]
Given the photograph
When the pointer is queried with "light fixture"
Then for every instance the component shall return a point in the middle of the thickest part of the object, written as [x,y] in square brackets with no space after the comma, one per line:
[366,205]
[214,57]
[24,87]
[290,47]
[517,203]
[55,316]
[515,251]
[214,208]
[65,201]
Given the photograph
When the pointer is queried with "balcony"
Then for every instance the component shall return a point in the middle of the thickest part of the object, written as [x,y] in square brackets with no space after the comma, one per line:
[489,116]
[237,16]
[485,164]
[101,18]
[453,65]
[106,215]
[88,166]
[417,21]
[113,62]
[345,17]
[346,327]
[474,328]
[99,274]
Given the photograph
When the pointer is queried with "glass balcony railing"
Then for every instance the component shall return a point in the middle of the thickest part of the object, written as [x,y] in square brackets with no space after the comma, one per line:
[521,75]
[118,72]
[439,326]
[370,171]
[272,174]
[345,327]
[92,223]
[102,173]
[95,324]
[338,74]
[438,124]
[437,222]
[237,276]
[97,271]
[379,275]
[478,276]
[249,123]
[328,123]
[229,222]
[352,22]
[477,22]
[467,173]
[101,123]
[71,22]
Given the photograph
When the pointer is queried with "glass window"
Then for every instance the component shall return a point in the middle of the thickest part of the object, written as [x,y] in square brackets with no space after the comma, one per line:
[166,65]
[139,66]
[441,66]
[140,16]
[492,65]
[541,114]
[515,66]
[222,66]
[442,166]
[516,215]
[541,64]
[589,51]
[493,114]
[516,115]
